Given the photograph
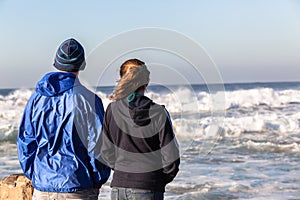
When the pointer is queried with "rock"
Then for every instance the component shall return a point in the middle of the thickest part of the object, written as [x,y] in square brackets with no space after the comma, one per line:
[15,187]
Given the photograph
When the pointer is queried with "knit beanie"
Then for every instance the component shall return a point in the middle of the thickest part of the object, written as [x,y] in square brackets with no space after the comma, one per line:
[70,56]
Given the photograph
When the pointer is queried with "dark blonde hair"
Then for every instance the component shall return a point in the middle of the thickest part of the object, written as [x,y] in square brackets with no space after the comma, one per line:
[134,75]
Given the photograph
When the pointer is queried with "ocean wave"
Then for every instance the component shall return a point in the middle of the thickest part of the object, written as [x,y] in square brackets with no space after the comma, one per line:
[245,111]
[272,146]
[12,106]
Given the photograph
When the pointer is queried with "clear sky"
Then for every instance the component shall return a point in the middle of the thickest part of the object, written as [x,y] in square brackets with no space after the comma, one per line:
[249,40]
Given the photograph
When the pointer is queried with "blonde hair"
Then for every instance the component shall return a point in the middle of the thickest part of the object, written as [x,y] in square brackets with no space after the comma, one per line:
[134,75]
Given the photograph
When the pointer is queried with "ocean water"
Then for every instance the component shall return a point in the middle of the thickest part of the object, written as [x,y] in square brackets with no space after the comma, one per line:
[248,150]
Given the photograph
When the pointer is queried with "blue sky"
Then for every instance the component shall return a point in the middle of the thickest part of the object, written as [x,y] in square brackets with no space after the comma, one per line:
[249,40]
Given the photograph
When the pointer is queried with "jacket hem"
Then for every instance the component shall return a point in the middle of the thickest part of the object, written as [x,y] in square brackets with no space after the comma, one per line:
[60,190]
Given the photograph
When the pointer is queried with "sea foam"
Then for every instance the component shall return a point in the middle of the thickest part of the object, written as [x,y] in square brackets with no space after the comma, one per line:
[253,110]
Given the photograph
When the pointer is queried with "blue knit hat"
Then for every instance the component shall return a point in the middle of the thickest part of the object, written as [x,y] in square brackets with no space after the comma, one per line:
[70,56]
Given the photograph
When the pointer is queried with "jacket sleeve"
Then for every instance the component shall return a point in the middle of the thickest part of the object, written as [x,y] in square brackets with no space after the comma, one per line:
[169,150]
[26,141]
[106,146]
[101,172]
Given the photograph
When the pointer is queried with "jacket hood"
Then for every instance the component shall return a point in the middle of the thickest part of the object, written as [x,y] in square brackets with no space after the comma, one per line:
[140,117]
[55,83]
[139,110]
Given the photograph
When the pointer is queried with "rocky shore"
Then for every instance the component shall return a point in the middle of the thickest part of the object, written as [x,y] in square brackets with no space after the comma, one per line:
[15,187]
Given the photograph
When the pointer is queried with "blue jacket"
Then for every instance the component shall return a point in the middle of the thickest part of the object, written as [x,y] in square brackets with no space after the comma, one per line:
[59,134]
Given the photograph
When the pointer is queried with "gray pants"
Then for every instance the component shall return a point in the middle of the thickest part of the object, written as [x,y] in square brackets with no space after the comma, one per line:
[118,193]
[87,194]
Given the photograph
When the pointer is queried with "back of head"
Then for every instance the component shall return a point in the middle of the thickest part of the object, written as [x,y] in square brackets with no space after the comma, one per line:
[70,56]
[133,75]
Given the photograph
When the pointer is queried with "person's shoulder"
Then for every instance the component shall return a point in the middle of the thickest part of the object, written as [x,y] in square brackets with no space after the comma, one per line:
[33,97]
[157,105]
[85,92]
[83,89]
[159,110]
[110,105]
[83,95]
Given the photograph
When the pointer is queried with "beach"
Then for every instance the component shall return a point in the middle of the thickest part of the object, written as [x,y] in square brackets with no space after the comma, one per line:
[252,152]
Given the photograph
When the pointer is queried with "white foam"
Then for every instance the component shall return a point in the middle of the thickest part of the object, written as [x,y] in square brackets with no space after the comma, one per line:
[261,96]
[253,110]
[12,107]
[272,147]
